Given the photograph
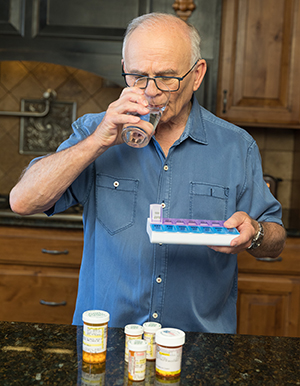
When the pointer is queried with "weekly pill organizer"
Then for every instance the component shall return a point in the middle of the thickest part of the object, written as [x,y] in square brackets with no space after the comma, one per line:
[187,231]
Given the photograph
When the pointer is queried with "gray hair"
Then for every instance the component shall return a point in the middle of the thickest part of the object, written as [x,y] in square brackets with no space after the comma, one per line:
[151,19]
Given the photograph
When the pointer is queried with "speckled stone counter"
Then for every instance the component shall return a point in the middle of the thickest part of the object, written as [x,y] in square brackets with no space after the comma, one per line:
[45,354]
[67,221]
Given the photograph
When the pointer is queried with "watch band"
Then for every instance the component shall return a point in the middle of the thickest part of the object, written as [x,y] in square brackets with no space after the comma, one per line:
[258,238]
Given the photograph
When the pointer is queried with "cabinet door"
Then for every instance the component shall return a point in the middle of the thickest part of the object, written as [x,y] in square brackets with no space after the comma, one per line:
[259,73]
[35,295]
[268,305]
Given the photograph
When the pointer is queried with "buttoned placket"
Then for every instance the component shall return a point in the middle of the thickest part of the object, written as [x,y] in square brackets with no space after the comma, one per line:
[161,251]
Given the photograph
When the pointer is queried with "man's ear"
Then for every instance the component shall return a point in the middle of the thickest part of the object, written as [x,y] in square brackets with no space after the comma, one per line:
[200,71]
[122,64]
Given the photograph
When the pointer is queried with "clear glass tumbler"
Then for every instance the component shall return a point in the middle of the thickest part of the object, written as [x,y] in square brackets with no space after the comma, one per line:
[136,135]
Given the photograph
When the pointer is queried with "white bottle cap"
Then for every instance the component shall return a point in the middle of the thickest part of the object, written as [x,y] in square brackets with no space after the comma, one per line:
[95,316]
[151,327]
[137,345]
[134,329]
[156,213]
[170,337]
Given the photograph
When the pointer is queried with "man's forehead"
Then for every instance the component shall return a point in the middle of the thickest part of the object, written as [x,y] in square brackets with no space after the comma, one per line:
[160,70]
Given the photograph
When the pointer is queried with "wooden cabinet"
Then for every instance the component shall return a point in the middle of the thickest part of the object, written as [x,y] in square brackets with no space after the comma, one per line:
[259,73]
[57,32]
[269,293]
[39,271]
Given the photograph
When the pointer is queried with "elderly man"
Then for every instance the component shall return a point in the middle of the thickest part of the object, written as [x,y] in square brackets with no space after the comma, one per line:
[196,165]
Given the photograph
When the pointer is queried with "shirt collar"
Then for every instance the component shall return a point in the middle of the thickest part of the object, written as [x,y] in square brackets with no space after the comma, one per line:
[195,126]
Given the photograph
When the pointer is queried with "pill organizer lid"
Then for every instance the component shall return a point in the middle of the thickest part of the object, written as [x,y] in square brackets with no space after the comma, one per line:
[170,337]
[137,345]
[95,316]
[151,327]
[133,329]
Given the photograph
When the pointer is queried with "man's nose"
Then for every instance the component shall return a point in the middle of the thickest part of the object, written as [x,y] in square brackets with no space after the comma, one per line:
[152,88]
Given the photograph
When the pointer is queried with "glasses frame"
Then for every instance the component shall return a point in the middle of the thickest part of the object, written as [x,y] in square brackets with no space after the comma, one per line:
[179,78]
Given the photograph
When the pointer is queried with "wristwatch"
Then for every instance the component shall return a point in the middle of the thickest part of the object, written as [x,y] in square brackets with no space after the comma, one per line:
[258,238]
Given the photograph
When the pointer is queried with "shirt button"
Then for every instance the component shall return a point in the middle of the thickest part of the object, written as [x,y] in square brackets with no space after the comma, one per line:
[155,315]
[158,280]
[116,184]
[163,205]
[166,167]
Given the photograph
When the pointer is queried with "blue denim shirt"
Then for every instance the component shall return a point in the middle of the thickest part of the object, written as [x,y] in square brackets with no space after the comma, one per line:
[212,171]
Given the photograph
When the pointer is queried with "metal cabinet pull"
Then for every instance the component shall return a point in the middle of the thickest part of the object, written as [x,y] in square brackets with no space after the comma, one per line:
[269,259]
[54,252]
[224,102]
[53,304]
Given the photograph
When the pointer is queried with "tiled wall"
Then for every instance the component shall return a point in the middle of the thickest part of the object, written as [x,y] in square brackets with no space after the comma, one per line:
[29,80]
[19,80]
[277,151]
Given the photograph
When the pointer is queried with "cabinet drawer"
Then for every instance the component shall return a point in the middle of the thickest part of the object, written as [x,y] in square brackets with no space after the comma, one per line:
[21,293]
[290,263]
[268,305]
[54,247]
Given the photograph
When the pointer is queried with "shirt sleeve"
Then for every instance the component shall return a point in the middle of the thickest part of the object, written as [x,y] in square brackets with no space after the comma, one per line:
[79,190]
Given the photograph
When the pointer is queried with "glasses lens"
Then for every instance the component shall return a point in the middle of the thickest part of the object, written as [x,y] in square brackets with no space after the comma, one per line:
[134,80]
[165,84]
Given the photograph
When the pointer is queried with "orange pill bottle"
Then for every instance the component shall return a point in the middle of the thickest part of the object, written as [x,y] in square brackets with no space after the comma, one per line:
[169,343]
[93,374]
[95,324]
[150,329]
[132,331]
[137,349]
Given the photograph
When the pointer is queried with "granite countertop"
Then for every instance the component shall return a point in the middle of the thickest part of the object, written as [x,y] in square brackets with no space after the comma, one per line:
[41,220]
[49,354]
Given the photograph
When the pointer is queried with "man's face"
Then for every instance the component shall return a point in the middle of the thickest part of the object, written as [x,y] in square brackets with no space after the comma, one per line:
[163,51]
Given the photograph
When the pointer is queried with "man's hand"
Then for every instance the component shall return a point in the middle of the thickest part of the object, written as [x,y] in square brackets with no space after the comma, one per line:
[272,244]
[122,111]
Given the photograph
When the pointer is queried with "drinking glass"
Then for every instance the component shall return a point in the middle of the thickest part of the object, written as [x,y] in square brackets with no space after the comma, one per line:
[136,135]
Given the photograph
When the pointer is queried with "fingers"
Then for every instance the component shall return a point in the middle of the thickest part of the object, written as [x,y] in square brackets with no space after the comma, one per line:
[132,98]
[125,110]
[247,229]
[130,104]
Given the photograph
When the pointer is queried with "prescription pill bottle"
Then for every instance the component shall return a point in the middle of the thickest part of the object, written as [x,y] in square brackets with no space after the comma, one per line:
[94,336]
[164,381]
[150,329]
[137,349]
[169,342]
[93,374]
[132,331]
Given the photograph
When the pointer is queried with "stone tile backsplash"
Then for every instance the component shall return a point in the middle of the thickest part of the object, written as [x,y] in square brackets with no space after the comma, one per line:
[29,80]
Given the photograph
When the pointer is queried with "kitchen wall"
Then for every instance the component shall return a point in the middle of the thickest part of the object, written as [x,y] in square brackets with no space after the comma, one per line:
[24,79]
[277,149]
[92,93]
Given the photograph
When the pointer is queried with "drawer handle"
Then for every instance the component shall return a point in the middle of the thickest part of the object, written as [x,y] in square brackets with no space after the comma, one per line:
[53,304]
[269,259]
[54,252]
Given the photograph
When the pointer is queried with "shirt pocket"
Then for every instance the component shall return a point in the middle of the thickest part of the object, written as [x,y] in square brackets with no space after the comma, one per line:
[208,201]
[116,202]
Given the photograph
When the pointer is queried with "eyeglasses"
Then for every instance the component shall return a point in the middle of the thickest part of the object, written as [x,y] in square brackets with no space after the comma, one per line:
[163,83]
